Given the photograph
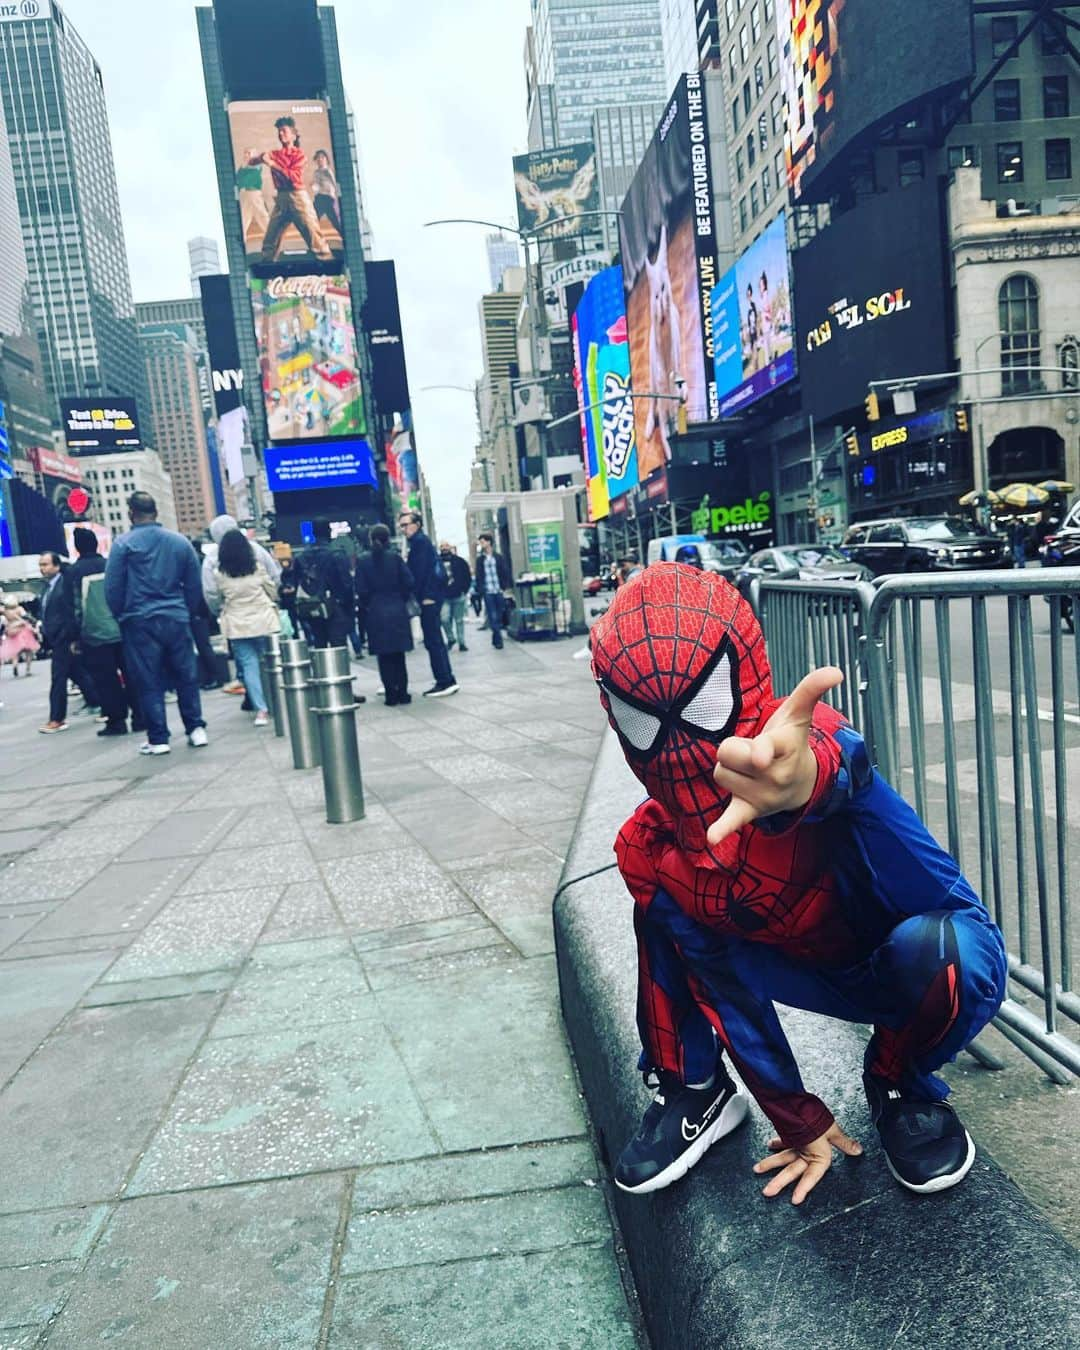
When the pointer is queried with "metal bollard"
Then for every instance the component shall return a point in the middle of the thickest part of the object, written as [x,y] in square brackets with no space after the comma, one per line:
[275,690]
[303,728]
[336,713]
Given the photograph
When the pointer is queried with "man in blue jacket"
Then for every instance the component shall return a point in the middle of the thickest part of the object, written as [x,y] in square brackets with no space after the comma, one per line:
[430,581]
[153,587]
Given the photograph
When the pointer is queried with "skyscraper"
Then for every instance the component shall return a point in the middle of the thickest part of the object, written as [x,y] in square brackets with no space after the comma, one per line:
[502,252]
[593,57]
[69,210]
[204,259]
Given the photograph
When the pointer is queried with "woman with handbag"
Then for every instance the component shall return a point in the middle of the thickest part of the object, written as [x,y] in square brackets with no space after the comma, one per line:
[384,587]
[249,613]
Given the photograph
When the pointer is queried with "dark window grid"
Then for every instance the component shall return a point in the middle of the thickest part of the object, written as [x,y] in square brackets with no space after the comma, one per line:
[1010,162]
[1058,159]
[1055,96]
[1006,100]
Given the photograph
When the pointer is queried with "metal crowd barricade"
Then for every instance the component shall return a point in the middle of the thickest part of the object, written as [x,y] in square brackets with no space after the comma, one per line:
[986,768]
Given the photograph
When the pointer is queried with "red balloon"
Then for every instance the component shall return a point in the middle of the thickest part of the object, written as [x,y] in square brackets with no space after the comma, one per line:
[78,500]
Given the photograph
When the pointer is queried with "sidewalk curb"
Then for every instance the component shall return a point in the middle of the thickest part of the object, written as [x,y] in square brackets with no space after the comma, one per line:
[863,1263]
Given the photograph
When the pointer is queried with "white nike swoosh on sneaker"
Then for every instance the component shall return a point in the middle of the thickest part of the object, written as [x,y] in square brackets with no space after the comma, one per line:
[691,1132]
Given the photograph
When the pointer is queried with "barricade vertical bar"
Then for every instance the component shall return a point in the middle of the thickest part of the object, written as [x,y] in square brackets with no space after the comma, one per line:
[944,645]
[1019,795]
[911,628]
[1061,796]
[986,764]
[1031,702]
[303,728]
[276,690]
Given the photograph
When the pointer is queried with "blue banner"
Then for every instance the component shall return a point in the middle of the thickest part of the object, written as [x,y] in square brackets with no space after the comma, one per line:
[324,464]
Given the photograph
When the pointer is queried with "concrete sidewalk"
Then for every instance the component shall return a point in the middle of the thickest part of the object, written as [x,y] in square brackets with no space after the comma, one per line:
[269,1082]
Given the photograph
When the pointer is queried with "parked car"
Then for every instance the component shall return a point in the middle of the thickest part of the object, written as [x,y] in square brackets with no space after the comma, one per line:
[1062,549]
[725,556]
[924,544]
[802,562]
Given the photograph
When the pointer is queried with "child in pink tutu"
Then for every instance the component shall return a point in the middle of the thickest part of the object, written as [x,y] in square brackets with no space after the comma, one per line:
[19,642]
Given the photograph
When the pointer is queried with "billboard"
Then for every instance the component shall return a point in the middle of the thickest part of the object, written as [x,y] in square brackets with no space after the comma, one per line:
[307,357]
[402,468]
[669,271]
[753,330]
[286,185]
[51,463]
[329,464]
[100,426]
[226,372]
[382,323]
[602,376]
[848,67]
[871,311]
[555,190]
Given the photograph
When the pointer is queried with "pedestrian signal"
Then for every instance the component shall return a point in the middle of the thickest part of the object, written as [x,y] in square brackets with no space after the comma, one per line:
[873,412]
[962,420]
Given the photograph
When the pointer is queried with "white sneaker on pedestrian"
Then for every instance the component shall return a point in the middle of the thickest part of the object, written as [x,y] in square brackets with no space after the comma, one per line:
[262,719]
[170,697]
[197,738]
[147,749]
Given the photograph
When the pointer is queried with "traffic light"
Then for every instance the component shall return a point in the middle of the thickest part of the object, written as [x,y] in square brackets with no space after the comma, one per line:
[873,412]
[962,423]
[681,420]
[851,441]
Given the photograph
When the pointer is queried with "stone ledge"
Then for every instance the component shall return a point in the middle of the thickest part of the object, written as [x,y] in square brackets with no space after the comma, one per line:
[862,1263]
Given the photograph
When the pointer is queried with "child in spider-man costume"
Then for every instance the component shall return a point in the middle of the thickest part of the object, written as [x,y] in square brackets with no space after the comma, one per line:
[770,863]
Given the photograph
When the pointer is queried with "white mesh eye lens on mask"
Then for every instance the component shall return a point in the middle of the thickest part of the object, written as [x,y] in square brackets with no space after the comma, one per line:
[711,707]
[637,727]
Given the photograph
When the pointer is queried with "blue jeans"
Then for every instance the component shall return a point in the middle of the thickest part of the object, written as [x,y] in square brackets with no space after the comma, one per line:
[494,603]
[160,653]
[453,616]
[431,624]
[246,651]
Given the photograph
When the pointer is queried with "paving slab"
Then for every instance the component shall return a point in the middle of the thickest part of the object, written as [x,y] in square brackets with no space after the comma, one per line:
[288,1102]
[390,888]
[122,897]
[73,1121]
[91,841]
[32,1294]
[269,865]
[57,1235]
[377,831]
[305,910]
[20,840]
[181,834]
[230,1269]
[29,880]
[407,935]
[312,993]
[569,1299]
[35,996]
[463,1034]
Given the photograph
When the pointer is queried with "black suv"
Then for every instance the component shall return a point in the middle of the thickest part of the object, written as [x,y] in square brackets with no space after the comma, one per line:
[923,544]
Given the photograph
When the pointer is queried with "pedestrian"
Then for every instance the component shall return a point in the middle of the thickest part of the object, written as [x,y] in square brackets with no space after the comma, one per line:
[325,599]
[219,527]
[97,633]
[249,613]
[356,635]
[430,585]
[458,582]
[19,641]
[492,585]
[153,587]
[1017,533]
[383,587]
[287,584]
[57,631]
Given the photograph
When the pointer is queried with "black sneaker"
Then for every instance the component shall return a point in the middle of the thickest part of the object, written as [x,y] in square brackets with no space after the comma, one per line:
[114,729]
[926,1146]
[676,1131]
[441,690]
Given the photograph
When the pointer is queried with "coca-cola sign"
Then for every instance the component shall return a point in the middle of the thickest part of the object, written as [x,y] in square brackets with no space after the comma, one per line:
[305,287]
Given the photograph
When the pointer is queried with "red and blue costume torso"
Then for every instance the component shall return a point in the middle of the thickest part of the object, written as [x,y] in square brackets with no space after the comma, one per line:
[848,907]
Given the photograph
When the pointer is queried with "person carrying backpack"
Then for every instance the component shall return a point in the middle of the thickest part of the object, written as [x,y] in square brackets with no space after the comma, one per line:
[98,637]
[325,598]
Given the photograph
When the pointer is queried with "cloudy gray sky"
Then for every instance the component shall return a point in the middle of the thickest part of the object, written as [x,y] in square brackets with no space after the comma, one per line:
[439,96]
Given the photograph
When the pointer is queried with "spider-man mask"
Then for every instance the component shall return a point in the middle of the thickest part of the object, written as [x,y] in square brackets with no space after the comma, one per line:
[681,664]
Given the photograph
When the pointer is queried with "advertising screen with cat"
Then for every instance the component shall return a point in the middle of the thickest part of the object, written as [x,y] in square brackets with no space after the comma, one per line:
[556,191]
[669,271]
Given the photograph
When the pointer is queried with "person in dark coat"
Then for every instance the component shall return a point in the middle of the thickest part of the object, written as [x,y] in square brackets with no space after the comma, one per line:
[430,582]
[58,630]
[383,587]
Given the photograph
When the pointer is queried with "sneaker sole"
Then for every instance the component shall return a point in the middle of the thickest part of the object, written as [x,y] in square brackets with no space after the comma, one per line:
[938,1183]
[443,693]
[729,1119]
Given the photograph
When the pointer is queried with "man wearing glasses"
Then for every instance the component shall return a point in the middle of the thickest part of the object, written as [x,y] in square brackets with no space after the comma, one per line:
[430,582]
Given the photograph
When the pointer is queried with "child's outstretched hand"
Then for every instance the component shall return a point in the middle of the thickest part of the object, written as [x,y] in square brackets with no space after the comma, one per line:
[806,1165]
[775,771]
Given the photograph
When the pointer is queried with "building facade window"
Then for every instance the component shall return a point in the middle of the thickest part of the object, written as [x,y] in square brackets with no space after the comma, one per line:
[1010,162]
[730,9]
[910,167]
[747,97]
[755,22]
[744,219]
[1059,158]
[740,164]
[1006,100]
[1003,31]
[1018,323]
[776,112]
[751,151]
[735,113]
[732,67]
[1055,96]
[1069,361]
[744,44]
[1052,44]
[771,58]
[759,76]
[766,183]
[755,203]
[763,133]
[963,156]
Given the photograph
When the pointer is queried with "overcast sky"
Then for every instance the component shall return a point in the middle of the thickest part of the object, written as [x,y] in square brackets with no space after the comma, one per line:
[439,96]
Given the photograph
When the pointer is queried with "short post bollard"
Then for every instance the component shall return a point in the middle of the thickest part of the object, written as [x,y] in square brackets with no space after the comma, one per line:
[303,728]
[336,712]
[275,691]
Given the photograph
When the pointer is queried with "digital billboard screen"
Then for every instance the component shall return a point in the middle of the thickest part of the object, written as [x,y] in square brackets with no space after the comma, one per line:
[100,426]
[307,357]
[602,377]
[870,299]
[226,373]
[328,464]
[286,184]
[556,189]
[850,66]
[669,271]
[382,323]
[753,332]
